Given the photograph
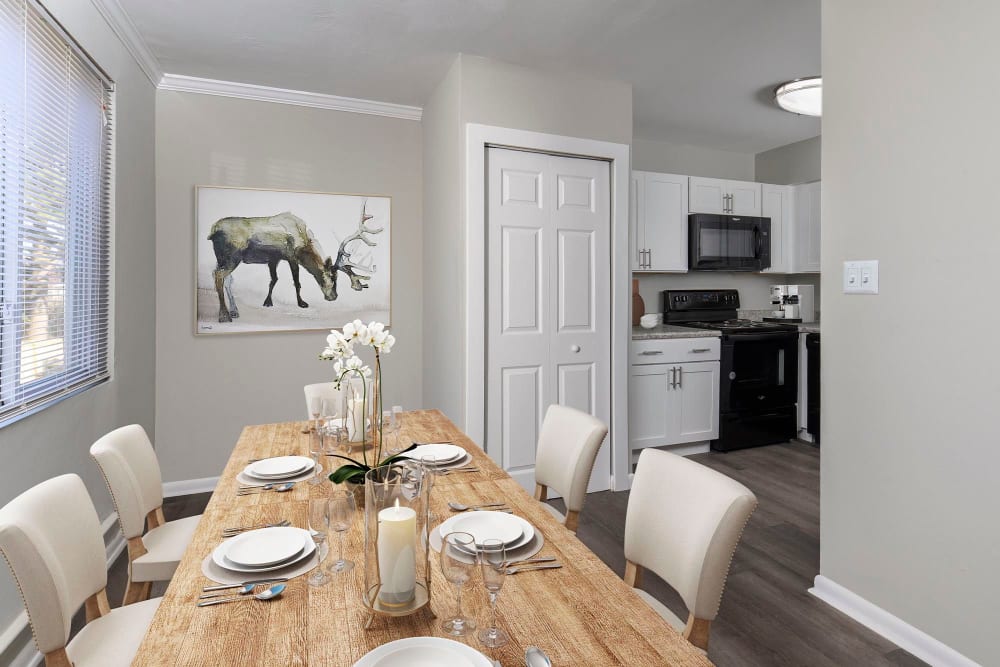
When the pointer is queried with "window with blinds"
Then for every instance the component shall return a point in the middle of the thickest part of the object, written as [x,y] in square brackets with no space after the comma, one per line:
[55,205]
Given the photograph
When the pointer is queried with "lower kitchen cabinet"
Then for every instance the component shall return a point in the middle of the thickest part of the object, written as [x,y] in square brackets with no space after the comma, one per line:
[673,403]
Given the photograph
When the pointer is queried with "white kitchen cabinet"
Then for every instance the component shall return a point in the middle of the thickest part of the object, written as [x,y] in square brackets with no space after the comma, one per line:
[777,203]
[721,196]
[806,237]
[659,222]
[673,392]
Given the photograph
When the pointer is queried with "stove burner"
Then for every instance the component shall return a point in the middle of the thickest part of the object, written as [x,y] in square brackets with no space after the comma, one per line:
[738,325]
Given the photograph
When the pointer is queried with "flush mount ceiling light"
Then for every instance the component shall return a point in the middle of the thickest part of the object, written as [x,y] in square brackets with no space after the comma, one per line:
[801,96]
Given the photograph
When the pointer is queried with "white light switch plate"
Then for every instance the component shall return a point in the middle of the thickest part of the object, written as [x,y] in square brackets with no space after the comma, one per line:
[861,277]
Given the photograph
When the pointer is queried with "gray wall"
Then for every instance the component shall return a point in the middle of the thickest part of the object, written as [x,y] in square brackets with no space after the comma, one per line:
[910,457]
[479,90]
[664,156]
[791,164]
[208,387]
[57,440]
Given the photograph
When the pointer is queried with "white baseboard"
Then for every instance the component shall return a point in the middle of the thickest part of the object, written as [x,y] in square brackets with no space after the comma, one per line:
[19,634]
[189,486]
[896,630]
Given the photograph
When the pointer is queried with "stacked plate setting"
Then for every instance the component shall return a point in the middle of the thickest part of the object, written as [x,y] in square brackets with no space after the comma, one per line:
[424,652]
[277,470]
[445,455]
[518,535]
[264,550]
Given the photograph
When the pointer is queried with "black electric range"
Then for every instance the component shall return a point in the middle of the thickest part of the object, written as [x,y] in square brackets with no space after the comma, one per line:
[758,383]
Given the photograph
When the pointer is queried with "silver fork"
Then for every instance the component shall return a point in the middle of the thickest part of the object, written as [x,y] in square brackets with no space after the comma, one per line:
[229,532]
[454,470]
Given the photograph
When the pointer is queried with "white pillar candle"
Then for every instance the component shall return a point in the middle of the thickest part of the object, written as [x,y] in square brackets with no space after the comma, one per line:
[397,538]
[355,418]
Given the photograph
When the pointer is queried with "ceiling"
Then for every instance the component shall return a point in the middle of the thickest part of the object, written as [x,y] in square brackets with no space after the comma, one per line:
[702,70]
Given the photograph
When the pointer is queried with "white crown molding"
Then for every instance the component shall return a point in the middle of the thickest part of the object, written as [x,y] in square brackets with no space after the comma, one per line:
[129,35]
[895,629]
[249,91]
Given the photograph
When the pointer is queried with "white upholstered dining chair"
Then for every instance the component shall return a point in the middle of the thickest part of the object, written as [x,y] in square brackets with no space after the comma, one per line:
[567,447]
[683,522]
[51,538]
[132,473]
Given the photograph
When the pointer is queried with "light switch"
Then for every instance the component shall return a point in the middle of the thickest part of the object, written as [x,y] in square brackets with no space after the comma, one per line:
[861,277]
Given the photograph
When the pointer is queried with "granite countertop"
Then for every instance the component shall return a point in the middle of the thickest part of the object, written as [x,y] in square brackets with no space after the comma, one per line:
[672,331]
[809,327]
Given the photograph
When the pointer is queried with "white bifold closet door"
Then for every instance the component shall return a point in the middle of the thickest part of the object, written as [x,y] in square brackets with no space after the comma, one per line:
[549,301]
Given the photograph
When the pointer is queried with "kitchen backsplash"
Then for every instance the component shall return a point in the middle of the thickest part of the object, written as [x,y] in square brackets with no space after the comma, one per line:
[754,288]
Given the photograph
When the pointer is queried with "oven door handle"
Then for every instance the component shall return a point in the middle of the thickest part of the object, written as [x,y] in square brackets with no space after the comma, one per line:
[791,336]
[757,236]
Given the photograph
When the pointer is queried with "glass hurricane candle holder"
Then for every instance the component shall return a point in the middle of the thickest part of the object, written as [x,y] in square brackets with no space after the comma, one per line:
[397,564]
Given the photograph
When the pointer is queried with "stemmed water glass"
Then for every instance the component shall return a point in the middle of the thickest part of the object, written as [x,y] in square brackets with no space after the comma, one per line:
[332,428]
[492,560]
[315,405]
[319,525]
[316,452]
[457,565]
[390,430]
[341,516]
[429,465]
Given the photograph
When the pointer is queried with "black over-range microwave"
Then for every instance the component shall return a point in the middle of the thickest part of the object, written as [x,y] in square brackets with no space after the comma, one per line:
[728,242]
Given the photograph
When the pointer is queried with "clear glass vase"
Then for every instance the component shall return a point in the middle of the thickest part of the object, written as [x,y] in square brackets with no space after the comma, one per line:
[397,565]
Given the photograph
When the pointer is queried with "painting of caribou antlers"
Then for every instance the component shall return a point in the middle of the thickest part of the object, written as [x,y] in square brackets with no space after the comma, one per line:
[261,264]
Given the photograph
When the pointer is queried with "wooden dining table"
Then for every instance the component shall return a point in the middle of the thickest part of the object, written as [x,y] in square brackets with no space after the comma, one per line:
[582,614]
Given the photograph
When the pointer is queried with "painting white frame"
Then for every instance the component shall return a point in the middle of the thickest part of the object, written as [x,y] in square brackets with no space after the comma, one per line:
[328,219]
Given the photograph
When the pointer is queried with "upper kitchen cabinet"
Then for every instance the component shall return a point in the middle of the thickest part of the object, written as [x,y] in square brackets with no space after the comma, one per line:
[724,197]
[777,203]
[659,222]
[806,242]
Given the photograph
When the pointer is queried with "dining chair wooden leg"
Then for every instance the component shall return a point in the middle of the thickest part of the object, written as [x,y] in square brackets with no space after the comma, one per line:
[135,592]
[572,520]
[97,605]
[696,631]
[633,574]
[57,658]
[541,491]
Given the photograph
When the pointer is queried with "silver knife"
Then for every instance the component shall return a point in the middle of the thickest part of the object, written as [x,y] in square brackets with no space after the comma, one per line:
[273,580]
[529,568]
[539,559]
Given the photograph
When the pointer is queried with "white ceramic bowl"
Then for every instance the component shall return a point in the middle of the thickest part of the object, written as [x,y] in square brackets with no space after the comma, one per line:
[649,321]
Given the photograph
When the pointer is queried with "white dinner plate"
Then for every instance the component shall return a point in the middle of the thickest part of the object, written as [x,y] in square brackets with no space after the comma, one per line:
[424,652]
[219,556]
[279,467]
[527,550]
[489,525]
[248,480]
[527,530]
[266,546]
[442,453]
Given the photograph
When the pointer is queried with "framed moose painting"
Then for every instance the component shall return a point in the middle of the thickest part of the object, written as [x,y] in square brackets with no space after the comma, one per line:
[275,260]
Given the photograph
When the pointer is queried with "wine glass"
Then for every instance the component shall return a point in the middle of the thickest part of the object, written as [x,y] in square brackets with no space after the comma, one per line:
[319,525]
[457,564]
[316,452]
[315,405]
[341,516]
[390,432]
[429,464]
[332,429]
[493,561]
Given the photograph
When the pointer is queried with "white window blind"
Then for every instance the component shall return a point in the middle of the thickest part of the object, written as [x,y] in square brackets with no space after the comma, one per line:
[55,187]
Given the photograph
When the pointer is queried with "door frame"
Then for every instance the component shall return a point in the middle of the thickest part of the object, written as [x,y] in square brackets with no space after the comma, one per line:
[477,139]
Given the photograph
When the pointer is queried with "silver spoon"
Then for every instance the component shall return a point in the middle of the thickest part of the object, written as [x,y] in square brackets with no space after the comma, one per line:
[272,592]
[535,657]
[459,507]
[287,486]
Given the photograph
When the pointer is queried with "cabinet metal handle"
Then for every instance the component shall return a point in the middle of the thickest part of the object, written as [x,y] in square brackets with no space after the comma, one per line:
[698,350]
[673,377]
[649,353]
[680,377]
[646,262]
[649,258]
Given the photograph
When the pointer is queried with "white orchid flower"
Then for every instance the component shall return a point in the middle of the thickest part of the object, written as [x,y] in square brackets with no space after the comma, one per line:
[353,330]
[375,328]
[386,345]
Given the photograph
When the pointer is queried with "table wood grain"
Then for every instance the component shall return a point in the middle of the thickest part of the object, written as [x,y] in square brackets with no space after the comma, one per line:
[582,614]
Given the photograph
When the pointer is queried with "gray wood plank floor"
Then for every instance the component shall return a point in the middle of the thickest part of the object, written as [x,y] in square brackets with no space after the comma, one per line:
[767,615]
